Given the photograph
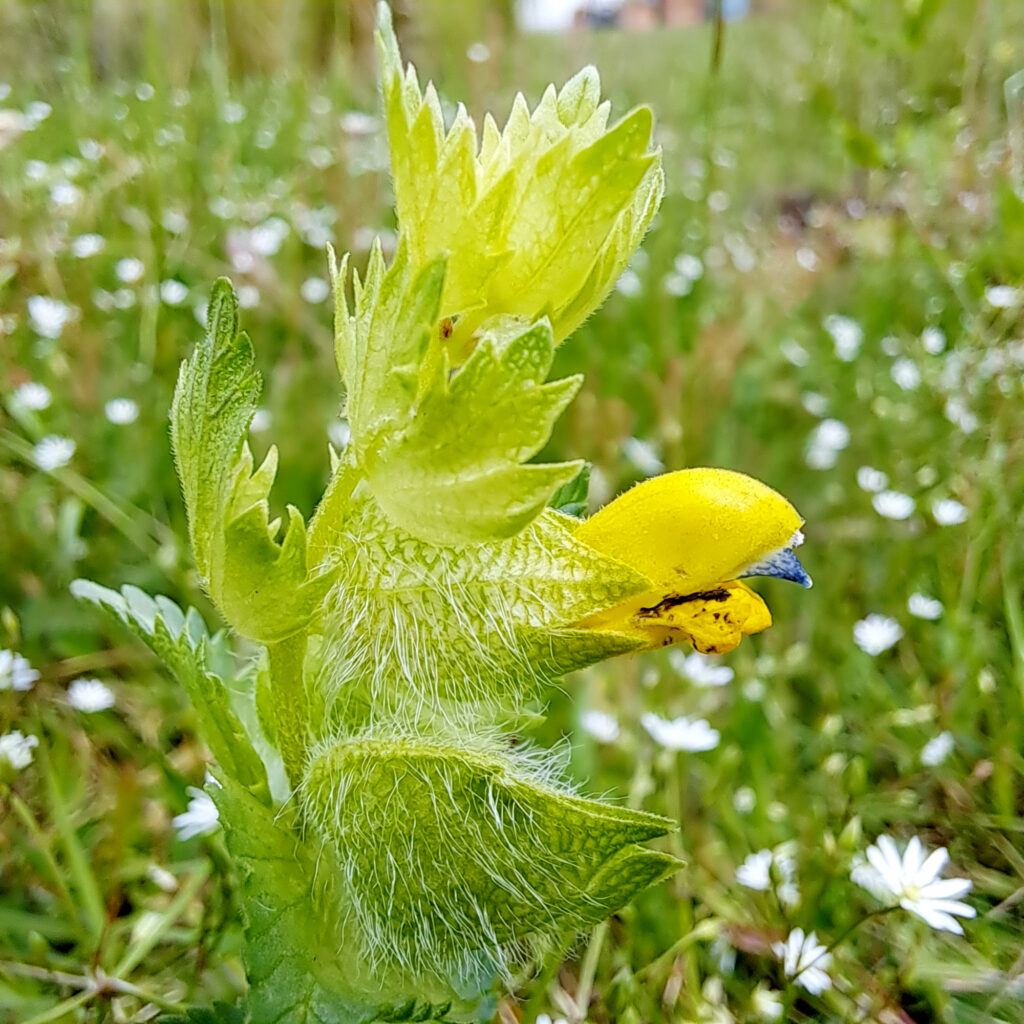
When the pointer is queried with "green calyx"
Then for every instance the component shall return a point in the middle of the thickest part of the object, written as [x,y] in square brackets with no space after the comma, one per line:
[396,858]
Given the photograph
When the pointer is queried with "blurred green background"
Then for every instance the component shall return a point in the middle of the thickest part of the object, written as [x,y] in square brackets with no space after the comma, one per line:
[830,299]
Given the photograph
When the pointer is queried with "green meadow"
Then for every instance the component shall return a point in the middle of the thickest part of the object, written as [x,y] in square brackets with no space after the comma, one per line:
[831,299]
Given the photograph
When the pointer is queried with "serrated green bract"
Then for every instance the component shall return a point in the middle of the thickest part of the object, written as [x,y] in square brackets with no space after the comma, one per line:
[455,473]
[261,585]
[449,853]
[418,628]
[540,219]
[301,967]
[200,662]
[381,346]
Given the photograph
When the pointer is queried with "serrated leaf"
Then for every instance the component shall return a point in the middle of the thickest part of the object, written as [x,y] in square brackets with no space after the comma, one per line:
[261,586]
[525,219]
[219,1013]
[182,642]
[454,474]
[291,956]
[447,853]
[571,499]
[300,967]
[414,624]
[381,346]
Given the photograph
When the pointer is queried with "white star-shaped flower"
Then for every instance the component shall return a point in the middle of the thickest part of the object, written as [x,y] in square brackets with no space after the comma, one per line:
[681,733]
[805,961]
[913,880]
[200,819]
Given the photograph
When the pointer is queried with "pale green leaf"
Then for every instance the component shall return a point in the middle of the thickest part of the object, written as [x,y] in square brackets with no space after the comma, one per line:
[527,218]
[447,854]
[201,664]
[216,395]
[262,586]
[381,345]
[454,474]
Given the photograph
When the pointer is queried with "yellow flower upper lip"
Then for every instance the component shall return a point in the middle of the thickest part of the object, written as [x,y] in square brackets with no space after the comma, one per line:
[694,534]
[694,529]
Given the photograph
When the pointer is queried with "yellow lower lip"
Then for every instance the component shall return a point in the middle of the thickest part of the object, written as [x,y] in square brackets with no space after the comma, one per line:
[713,621]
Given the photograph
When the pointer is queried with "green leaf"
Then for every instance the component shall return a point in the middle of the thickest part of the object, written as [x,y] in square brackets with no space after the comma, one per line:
[427,626]
[540,217]
[262,586]
[300,965]
[454,474]
[571,499]
[201,664]
[216,395]
[219,1013]
[449,854]
[381,345]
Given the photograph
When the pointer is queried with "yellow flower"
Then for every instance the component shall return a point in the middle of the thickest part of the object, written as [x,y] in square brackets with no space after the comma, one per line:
[695,534]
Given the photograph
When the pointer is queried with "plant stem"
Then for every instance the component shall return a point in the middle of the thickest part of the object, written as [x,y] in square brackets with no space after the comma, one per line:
[289,702]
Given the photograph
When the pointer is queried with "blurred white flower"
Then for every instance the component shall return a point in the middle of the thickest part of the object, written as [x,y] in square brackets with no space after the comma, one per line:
[1002,296]
[871,479]
[248,296]
[876,634]
[314,290]
[90,695]
[744,800]
[643,456]
[599,724]
[922,606]
[266,238]
[890,345]
[905,374]
[847,336]
[794,353]
[173,292]
[689,266]
[629,283]
[913,880]
[48,315]
[827,439]
[261,420]
[893,505]
[544,1018]
[129,270]
[804,961]
[681,733]
[756,871]
[807,258]
[700,669]
[937,749]
[15,672]
[718,201]
[766,1003]
[37,111]
[32,395]
[815,403]
[676,284]
[121,411]
[478,52]
[87,245]
[338,433]
[200,819]
[53,452]
[934,340]
[16,749]
[63,193]
[356,122]
[949,512]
